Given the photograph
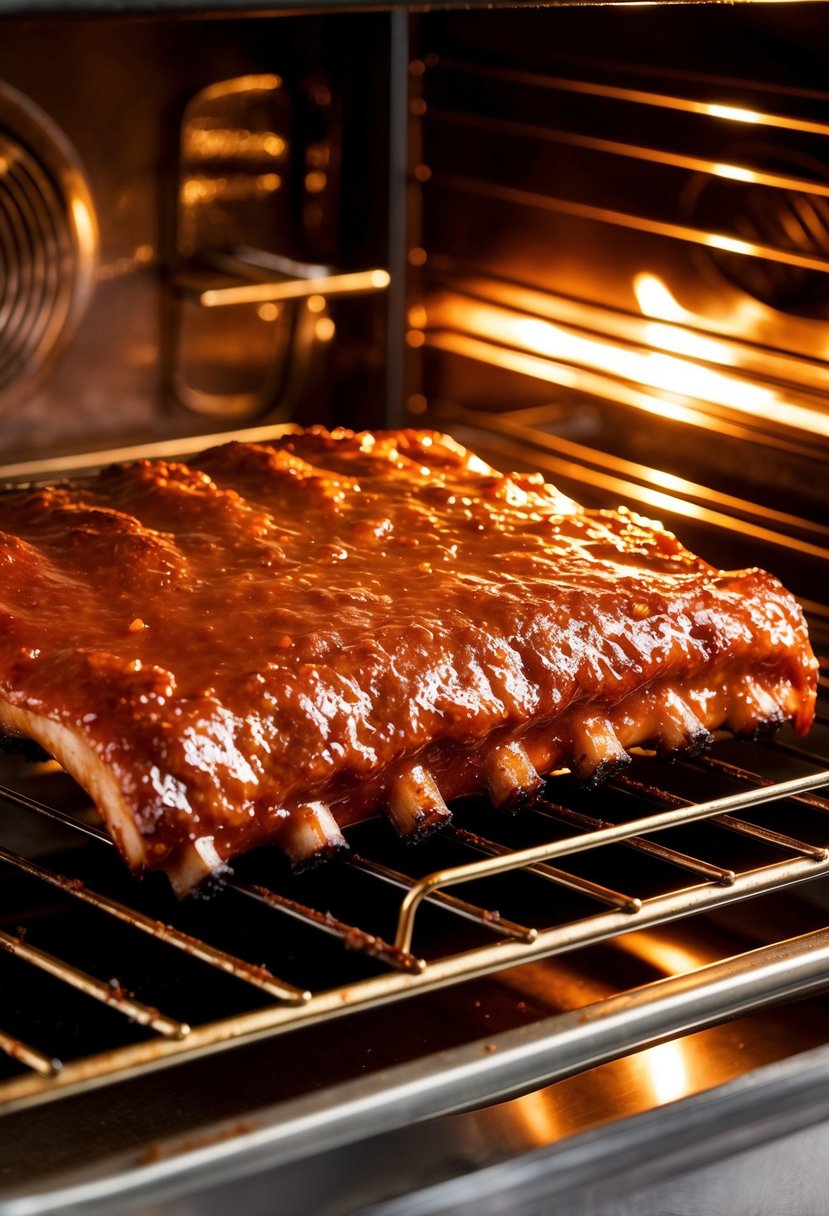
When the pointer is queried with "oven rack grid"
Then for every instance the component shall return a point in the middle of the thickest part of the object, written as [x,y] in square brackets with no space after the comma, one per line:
[404,972]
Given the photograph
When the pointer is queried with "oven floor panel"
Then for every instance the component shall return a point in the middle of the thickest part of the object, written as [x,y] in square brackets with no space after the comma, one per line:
[142,1124]
[756,1147]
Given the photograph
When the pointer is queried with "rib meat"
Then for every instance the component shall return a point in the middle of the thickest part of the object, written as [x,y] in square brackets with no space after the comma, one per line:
[275,640]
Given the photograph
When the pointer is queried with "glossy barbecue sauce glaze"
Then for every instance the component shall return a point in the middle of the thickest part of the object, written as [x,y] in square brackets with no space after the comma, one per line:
[275,625]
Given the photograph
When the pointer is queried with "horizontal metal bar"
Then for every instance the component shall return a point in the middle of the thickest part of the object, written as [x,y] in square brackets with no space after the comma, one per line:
[360,282]
[695,864]
[114,996]
[16,798]
[514,439]
[475,1074]
[584,886]
[643,97]
[485,917]
[610,835]
[753,830]
[623,219]
[748,777]
[768,836]
[352,937]
[192,946]
[443,971]
[525,1058]
[693,492]
[490,124]
[16,1049]
[459,282]
[163,449]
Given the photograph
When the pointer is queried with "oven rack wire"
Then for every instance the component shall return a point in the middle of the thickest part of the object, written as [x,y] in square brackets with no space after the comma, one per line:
[401,970]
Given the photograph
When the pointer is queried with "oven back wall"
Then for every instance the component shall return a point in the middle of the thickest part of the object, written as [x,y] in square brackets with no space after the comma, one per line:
[142,160]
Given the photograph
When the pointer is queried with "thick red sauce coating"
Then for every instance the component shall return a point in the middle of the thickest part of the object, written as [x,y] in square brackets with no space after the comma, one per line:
[273,624]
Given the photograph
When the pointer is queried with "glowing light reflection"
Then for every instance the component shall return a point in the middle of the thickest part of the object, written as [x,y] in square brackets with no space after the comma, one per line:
[537,1116]
[220,143]
[686,342]
[673,367]
[687,105]
[325,329]
[666,957]
[655,298]
[356,283]
[681,376]
[264,82]
[735,172]
[729,243]
[667,1071]
[732,113]
[654,368]
[196,191]
[84,221]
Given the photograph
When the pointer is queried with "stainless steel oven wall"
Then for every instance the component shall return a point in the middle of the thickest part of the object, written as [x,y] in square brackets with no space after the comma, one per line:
[619,236]
[145,162]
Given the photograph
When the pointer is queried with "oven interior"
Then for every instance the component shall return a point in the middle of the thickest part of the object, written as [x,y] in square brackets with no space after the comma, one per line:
[591,241]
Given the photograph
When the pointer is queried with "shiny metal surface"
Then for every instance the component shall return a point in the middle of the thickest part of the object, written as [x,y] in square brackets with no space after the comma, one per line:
[598,836]
[508,1136]
[48,245]
[177,6]
[752,1147]
[296,1006]
[181,164]
[241,169]
[657,183]
[568,1018]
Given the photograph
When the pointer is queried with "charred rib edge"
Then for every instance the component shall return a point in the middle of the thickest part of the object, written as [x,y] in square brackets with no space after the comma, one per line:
[415,805]
[590,741]
[756,710]
[312,835]
[680,729]
[511,777]
[597,753]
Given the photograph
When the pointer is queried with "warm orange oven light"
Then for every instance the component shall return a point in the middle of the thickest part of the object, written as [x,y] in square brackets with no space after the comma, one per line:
[668,355]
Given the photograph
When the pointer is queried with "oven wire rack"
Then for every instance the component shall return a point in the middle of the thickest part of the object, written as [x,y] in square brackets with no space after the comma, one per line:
[403,971]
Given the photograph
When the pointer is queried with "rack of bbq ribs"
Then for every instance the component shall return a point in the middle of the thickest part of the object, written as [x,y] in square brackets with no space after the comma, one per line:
[274,640]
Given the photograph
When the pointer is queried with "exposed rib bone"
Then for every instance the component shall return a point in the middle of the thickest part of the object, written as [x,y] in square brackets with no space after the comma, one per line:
[75,755]
[511,777]
[196,861]
[755,709]
[596,751]
[679,728]
[415,805]
[312,835]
